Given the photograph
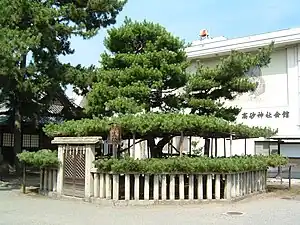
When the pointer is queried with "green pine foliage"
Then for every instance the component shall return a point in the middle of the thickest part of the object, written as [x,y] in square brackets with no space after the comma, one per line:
[209,87]
[160,124]
[145,71]
[41,159]
[190,165]
[143,64]
[33,34]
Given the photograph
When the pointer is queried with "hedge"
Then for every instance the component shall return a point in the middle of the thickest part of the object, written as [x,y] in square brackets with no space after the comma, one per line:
[189,165]
[41,159]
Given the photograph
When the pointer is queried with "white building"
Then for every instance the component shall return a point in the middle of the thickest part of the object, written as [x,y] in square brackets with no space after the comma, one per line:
[276,101]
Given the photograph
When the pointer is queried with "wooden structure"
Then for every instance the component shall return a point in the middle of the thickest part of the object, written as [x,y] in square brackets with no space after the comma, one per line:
[33,137]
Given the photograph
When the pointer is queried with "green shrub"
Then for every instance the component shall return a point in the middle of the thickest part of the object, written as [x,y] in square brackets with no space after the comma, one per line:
[41,159]
[190,165]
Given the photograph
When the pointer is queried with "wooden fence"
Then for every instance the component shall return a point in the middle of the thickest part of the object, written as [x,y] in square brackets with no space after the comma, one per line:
[48,180]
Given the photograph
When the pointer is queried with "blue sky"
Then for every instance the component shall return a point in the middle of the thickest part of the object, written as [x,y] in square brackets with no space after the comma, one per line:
[229,18]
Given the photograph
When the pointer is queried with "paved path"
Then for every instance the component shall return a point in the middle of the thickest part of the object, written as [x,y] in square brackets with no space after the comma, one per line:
[16,209]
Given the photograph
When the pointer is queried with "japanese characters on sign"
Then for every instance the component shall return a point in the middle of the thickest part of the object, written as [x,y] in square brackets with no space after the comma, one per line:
[268,115]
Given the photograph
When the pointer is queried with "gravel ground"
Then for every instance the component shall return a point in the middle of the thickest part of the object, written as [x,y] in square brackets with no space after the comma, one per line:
[17,209]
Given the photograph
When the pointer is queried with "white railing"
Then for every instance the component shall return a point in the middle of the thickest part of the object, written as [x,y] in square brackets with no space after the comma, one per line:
[48,180]
[176,187]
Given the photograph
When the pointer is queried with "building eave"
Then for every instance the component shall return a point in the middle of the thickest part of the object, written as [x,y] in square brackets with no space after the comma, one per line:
[213,49]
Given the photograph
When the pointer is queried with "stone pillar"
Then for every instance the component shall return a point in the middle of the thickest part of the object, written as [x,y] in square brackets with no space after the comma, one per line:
[191,187]
[172,187]
[209,186]
[181,187]
[164,187]
[96,184]
[54,180]
[146,187]
[156,188]
[102,186]
[136,187]
[200,187]
[228,187]
[127,187]
[218,187]
[60,172]
[89,181]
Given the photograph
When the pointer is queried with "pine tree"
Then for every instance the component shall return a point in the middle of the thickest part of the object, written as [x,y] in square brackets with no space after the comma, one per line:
[145,70]
[32,36]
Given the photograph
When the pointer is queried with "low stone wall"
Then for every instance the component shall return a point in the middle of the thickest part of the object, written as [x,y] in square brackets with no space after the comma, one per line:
[170,188]
[48,180]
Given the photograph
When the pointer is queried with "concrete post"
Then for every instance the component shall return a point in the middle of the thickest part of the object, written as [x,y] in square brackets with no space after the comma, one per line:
[108,186]
[218,187]
[237,184]
[191,187]
[127,187]
[164,187]
[60,172]
[137,187]
[96,185]
[54,180]
[233,184]
[49,180]
[172,187]
[102,186]
[146,187]
[200,187]
[156,188]
[209,186]
[228,185]
[181,187]
[116,187]
[89,180]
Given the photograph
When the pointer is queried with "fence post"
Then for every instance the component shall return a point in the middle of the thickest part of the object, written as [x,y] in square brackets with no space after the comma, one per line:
[172,187]
[209,186]
[218,187]
[181,187]
[60,172]
[191,187]
[156,188]
[228,184]
[116,187]
[146,187]
[89,159]
[136,186]
[127,187]
[163,187]
[200,187]
[54,182]
[108,186]
[96,185]
[102,186]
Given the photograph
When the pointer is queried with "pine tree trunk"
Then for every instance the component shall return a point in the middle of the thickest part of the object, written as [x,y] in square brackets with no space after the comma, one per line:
[156,150]
[18,119]
[17,137]
[206,146]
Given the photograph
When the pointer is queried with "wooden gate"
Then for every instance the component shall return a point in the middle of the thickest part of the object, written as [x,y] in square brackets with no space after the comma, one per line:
[74,171]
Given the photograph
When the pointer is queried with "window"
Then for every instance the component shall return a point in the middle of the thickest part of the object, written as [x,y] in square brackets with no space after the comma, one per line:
[8,140]
[30,141]
[26,140]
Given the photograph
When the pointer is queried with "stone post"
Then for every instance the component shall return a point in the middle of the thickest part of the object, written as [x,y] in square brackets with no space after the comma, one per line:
[60,172]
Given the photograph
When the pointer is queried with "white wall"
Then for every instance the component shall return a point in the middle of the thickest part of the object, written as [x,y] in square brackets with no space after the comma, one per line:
[281,94]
